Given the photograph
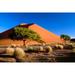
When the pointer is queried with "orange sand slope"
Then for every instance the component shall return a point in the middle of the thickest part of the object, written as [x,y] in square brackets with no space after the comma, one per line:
[45,35]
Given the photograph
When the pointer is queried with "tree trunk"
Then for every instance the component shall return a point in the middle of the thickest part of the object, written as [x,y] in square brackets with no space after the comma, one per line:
[24,44]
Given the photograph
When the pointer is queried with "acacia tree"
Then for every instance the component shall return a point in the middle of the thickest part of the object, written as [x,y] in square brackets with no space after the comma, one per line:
[65,37]
[21,33]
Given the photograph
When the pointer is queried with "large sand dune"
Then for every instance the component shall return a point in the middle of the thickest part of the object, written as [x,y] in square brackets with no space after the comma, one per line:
[46,36]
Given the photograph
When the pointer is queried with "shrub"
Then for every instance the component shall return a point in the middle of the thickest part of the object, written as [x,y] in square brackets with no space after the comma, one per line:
[36,48]
[59,46]
[41,48]
[20,54]
[48,49]
[10,51]
[30,49]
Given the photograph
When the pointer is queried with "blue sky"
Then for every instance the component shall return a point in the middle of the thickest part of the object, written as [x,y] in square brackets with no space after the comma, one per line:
[58,23]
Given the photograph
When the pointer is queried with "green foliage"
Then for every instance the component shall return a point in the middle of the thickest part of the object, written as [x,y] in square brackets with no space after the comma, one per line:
[21,33]
[65,37]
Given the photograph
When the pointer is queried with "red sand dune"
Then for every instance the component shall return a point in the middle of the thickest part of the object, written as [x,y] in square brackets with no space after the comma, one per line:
[46,36]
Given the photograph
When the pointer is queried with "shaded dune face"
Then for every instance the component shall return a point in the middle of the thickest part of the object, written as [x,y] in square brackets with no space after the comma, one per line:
[45,35]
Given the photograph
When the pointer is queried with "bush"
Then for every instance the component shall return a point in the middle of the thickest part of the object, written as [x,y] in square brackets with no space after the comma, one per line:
[30,49]
[19,54]
[36,48]
[10,51]
[59,46]
[41,48]
[48,49]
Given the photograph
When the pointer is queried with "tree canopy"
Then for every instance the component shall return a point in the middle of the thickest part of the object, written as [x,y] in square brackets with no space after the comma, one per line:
[21,33]
[65,37]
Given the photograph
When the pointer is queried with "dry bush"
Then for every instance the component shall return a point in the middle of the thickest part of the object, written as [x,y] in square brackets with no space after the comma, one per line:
[59,46]
[30,49]
[19,54]
[34,49]
[49,49]
[10,51]
[41,48]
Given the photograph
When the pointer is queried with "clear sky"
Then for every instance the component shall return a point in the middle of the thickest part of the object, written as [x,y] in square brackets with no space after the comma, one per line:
[58,23]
